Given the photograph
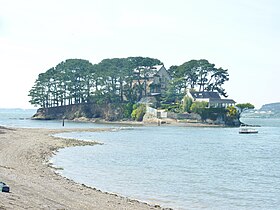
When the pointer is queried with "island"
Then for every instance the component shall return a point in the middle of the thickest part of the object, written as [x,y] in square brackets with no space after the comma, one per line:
[135,89]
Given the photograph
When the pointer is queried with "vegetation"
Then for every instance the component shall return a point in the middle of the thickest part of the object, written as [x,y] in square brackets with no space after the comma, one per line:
[198,107]
[232,112]
[138,112]
[128,108]
[78,81]
[123,81]
[198,74]
[172,107]
[244,106]
[186,104]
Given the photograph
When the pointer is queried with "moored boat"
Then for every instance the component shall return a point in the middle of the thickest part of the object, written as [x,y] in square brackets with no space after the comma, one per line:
[247,130]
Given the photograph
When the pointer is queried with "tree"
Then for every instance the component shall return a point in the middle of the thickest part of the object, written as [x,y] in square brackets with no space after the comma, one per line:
[173,92]
[77,81]
[245,106]
[142,69]
[67,83]
[172,71]
[217,79]
[200,75]
[187,103]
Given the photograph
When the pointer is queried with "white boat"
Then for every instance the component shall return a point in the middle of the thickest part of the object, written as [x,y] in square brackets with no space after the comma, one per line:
[247,130]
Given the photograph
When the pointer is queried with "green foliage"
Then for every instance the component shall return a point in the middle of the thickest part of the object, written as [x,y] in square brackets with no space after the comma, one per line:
[212,113]
[67,83]
[172,71]
[198,107]
[170,94]
[199,74]
[244,106]
[77,81]
[187,103]
[128,108]
[135,106]
[173,107]
[122,81]
[232,116]
[138,112]
[232,112]
[173,92]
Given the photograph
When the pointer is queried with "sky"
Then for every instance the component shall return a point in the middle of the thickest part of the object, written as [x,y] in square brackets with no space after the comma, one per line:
[242,36]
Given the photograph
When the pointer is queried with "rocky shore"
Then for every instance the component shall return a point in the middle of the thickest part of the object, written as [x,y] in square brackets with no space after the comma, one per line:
[114,114]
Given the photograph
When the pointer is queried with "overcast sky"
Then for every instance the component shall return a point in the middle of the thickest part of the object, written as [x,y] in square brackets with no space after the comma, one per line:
[242,36]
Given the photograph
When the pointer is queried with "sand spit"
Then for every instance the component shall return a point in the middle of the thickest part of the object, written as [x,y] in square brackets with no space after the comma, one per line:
[24,155]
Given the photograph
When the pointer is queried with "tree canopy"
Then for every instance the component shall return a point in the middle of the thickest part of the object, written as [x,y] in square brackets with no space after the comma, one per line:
[77,81]
[200,75]
[244,106]
[120,80]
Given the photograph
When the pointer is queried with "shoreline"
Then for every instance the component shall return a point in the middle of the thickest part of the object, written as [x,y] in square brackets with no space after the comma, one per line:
[150,122]
[33,181]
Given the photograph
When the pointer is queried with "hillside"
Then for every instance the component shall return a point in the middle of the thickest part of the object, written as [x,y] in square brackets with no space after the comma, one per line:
[273,107]
[271,110]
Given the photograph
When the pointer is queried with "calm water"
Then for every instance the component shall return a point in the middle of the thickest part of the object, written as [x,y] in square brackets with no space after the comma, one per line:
[179,167]
[21,118]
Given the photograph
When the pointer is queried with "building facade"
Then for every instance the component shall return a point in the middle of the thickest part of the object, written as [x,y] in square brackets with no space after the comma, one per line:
[212,98]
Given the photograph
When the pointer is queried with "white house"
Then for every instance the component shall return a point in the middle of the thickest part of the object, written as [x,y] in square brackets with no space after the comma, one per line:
[212,98]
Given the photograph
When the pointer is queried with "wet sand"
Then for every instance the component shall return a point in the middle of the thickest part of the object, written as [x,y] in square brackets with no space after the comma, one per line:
[24,166]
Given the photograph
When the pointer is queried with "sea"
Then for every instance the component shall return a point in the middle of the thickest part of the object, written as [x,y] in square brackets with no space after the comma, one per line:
[173,166]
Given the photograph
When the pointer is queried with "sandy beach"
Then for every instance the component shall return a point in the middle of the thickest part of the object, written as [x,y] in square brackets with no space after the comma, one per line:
[24,166]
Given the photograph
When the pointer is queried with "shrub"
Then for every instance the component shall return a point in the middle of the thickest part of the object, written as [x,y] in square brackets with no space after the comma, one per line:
[187,103]
[198,107]
[174,107]
[128,108]
[232,112]
[138,112]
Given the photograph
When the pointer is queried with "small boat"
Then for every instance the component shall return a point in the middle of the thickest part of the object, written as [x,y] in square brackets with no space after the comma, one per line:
[247,130]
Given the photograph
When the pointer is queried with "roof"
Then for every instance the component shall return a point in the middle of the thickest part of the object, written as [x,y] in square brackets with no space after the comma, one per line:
[157,67]
[152,73]
[226,101]
[205,94]
[148,100]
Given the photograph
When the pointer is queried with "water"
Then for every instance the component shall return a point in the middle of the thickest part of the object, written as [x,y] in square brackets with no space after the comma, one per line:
[22,118]
[179,167]
[182,167]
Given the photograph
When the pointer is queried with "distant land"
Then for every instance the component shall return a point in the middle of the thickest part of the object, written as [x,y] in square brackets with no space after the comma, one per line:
[271,110]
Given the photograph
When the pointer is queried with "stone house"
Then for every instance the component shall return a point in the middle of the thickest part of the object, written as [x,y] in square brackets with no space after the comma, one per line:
[155,82]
